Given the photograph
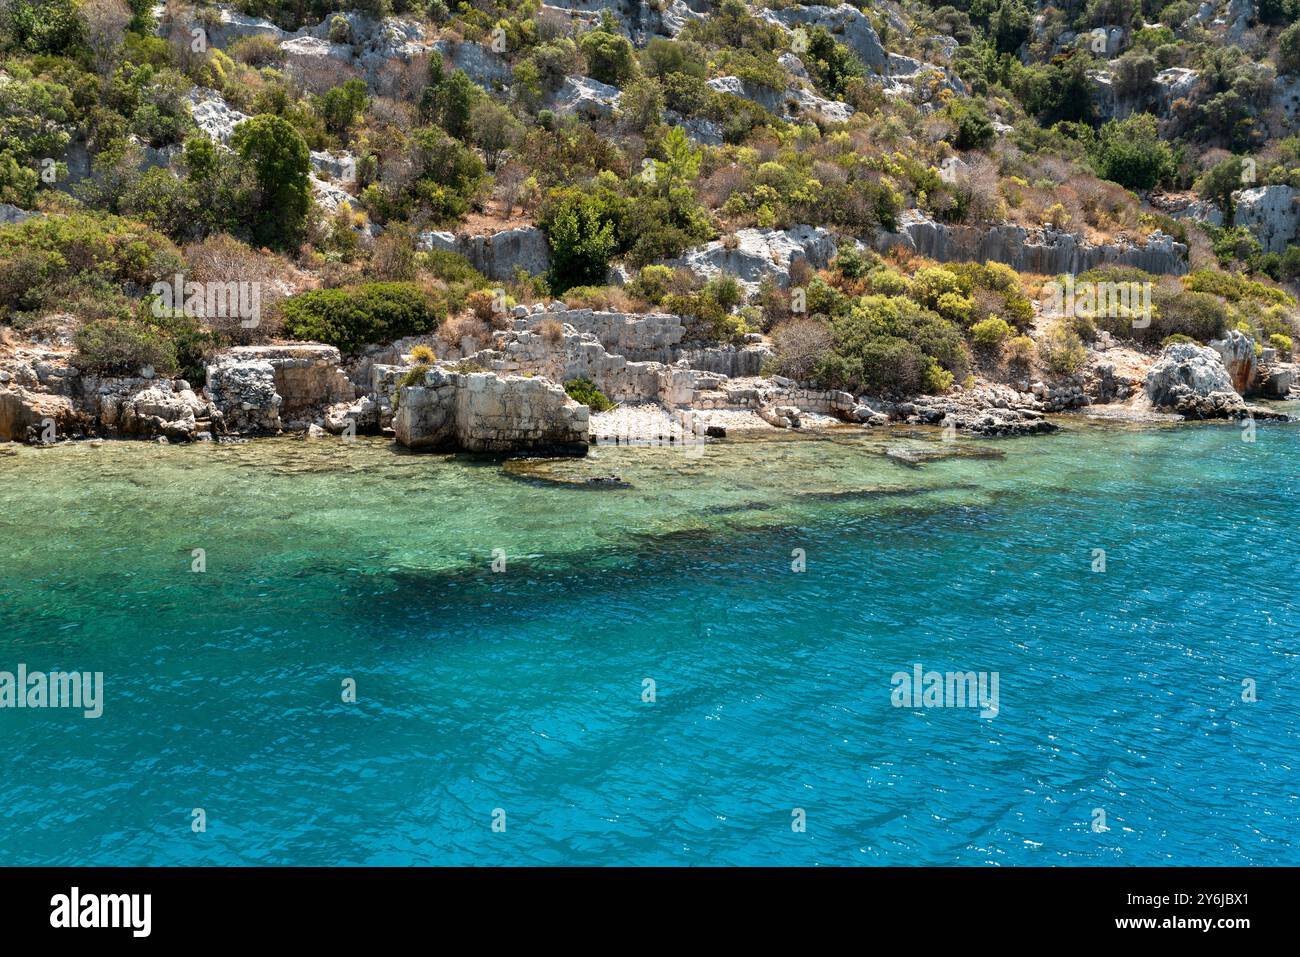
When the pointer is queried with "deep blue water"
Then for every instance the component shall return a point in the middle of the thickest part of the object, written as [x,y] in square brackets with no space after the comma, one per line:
[522,691]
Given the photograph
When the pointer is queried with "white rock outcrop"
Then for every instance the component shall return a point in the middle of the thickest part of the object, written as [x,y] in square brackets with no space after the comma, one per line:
[752,254]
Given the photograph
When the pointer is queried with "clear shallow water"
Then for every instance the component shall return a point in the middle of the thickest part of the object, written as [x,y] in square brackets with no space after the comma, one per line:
[522,690]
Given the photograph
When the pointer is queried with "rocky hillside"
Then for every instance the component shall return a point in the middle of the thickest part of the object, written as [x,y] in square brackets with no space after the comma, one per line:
[855,212]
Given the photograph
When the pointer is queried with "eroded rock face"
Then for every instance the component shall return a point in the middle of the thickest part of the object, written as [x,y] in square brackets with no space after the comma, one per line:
[1237,351]
[213,115]
[159,409]
[497,256]
[266,388]
[796,99]
[1272,213]
[484,412]
[28,416]
[243,390]
[1193,381]
[12,214]
[480,64]
[847,23]
[1276,380]
[753,254]
[1042,250]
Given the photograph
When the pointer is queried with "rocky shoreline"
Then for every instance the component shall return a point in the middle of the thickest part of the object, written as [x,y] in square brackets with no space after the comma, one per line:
[509,398]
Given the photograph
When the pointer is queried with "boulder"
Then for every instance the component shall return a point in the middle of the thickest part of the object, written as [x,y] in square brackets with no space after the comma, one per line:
[1193,381]
[213,115]
[341,166]
[752,254]
[362,414]
[586,98]
[156,410]
[26,415]
[1276,380]
[12,214]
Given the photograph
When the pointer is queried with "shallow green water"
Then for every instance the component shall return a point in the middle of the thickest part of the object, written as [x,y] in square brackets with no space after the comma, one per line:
[522,690]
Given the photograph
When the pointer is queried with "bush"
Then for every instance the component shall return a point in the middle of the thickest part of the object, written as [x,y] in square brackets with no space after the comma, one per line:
[585,391]
[974,128]
[609,56]
[1131,153]
[354,317]
[990,333]
[551,330]
[1020,351]
[1282,343]
[1196,314]
[415,375]
[581,244]
[895,367]
[483,304]
[424,355]
[801,346]
[1061,349]
[652,283]
[44,260]
[123,347]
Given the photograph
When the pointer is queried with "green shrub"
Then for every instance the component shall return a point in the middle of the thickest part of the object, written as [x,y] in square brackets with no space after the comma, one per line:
[44,260]
[974,128]
[1282,343]
[581,242]
[609,56]
[123,347]
[990,333]
[1130,152]
[1020,351]
[452,268]
[415,375]
[585,391]
[652,283]
[1061,349]
[1235,288]
[354,317]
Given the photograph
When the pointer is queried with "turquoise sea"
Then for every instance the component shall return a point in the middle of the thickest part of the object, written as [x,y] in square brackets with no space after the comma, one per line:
[518,695]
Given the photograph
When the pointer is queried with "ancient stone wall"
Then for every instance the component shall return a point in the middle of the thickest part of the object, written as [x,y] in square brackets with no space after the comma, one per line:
[486,412]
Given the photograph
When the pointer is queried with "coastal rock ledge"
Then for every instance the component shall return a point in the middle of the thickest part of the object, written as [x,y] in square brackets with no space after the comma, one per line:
[1193,381]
